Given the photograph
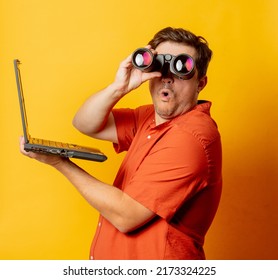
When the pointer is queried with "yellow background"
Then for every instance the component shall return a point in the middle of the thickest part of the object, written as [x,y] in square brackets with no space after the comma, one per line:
[70,49]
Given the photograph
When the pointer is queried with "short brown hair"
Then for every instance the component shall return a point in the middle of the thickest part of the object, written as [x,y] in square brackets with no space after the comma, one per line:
[180,35]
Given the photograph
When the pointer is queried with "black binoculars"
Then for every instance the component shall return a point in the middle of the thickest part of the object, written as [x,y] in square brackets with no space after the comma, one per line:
[182,65]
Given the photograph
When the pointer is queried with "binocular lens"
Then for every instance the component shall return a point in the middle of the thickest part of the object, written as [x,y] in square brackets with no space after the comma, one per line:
[142,58]
[183,64]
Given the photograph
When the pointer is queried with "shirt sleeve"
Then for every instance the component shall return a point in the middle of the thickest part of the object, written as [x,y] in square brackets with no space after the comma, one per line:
[126,128]
[174,170]
[127,121]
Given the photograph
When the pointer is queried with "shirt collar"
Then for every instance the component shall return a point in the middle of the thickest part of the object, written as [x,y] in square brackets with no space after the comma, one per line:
[202,106]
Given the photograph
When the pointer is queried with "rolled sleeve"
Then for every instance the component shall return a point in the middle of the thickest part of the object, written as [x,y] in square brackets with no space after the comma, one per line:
[126,128]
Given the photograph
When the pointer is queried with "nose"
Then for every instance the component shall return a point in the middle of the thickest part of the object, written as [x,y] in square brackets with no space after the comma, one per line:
[168,79]
[167,76]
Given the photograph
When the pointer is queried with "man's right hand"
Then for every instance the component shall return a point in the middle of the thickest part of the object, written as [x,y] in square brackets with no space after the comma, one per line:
[129,78]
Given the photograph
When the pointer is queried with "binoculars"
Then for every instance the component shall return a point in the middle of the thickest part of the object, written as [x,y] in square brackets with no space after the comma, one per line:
[182,65]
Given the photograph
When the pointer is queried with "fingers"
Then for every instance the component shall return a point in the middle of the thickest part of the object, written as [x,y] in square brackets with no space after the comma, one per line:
[21,148]
[127,63]
[149,47]
[21,145]
[53,160]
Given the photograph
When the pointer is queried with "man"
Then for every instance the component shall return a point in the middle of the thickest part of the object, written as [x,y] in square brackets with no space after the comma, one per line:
[168,187]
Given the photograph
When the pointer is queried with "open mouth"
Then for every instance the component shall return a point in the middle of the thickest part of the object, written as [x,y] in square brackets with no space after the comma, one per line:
[165,95]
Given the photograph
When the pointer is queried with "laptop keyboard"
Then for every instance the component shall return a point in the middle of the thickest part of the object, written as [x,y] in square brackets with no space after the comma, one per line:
[54,144]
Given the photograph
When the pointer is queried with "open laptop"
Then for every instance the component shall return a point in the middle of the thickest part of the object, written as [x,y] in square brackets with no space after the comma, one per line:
[46,146]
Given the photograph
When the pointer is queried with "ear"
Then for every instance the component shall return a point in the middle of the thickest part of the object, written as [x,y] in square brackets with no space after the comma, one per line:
[202,83]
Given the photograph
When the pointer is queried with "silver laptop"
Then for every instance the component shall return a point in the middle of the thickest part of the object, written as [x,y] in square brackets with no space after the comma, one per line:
[47,146]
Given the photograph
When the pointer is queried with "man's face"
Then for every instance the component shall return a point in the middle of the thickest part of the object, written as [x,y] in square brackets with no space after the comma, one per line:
[172,96]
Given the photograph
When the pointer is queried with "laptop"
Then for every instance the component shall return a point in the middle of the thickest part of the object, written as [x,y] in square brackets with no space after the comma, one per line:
[47,146]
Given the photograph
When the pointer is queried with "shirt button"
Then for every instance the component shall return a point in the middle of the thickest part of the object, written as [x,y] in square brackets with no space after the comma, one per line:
[92,258]
[99,224]
[149,136]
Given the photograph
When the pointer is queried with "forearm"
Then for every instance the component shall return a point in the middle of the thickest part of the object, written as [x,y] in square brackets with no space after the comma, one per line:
[93,115]
[117,207]
[97,193]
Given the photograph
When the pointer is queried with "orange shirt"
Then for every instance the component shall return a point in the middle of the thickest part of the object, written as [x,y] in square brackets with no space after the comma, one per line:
[174,169]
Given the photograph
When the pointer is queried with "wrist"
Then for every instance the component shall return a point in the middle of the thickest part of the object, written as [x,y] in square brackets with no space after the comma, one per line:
[62,164]
[117,90]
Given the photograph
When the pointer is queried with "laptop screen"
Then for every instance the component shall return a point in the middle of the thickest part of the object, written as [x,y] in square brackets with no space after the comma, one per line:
[21,100]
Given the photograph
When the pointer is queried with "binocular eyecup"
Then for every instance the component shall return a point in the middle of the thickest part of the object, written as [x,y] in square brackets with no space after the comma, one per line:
[182,65]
